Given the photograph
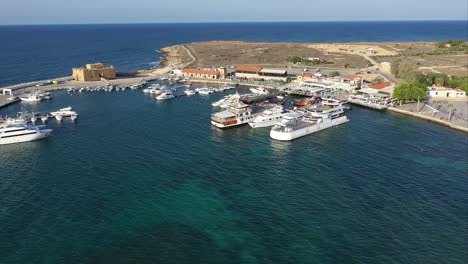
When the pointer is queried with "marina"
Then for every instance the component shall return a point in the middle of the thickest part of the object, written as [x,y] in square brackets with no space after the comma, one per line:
[139,180]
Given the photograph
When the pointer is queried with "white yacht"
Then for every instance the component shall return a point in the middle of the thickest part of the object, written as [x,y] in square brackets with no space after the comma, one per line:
[269,117]
[190,92]
[227,101]
[153,89]
[65,112]
[205,90]
[165,96]
[237,114]
[260,90]
[293,125]
[16,132]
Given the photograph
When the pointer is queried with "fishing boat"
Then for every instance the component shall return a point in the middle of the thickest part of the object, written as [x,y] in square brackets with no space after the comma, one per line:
[31,98]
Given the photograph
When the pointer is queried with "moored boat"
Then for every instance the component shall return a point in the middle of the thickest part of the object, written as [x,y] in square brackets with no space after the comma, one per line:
[190,92]
[165,96]
[295,125]
[16,132]
[237,114]
[64,112]
[269,117]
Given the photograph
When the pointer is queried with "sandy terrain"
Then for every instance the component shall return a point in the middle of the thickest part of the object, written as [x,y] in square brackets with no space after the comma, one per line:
[358,48]
[356,55]
[226,53]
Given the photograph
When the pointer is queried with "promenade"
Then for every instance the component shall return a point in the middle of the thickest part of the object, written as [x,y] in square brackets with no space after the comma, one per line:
[451,113]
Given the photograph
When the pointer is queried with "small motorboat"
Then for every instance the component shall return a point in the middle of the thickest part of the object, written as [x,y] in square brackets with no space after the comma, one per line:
[190,92]
[165,96]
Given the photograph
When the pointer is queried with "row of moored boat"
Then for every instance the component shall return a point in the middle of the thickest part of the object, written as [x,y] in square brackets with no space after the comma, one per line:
[22,128]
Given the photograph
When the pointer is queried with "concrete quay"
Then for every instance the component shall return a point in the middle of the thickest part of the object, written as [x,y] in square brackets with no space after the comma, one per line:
[64,83]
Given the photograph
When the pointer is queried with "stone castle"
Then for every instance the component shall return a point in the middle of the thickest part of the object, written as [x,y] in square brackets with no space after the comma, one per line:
[94,72]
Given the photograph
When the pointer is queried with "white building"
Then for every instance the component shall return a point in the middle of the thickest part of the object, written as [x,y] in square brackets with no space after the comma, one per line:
[444,92]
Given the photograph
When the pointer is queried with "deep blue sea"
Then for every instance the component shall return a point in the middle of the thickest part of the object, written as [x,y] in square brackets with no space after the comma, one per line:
[135,180]
[30,53]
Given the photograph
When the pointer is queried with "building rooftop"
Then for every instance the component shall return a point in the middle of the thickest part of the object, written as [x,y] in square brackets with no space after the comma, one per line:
[380,86]
[248,68]
[199,71]
[352,77]
[275,71]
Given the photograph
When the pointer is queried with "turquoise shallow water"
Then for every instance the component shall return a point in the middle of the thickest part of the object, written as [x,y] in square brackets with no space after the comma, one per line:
[141,181]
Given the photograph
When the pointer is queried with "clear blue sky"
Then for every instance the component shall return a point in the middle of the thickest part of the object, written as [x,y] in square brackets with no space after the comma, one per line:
[154,11]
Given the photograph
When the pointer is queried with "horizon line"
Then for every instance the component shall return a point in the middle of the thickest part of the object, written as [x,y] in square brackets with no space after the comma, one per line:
[235,22]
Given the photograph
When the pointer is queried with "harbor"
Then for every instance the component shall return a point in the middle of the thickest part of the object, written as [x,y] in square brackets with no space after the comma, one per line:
[137,179]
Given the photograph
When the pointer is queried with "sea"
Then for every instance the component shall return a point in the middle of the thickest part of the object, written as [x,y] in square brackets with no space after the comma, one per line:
[135,180]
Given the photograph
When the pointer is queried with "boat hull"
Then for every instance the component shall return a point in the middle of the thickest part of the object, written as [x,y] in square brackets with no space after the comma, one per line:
[228,124]
[268,123]
[288,136]
[25,138]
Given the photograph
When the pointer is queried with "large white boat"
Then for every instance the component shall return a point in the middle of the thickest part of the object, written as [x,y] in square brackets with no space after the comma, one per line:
[165,96]
[16,132]
[236,114]
[269,117]
[294,125]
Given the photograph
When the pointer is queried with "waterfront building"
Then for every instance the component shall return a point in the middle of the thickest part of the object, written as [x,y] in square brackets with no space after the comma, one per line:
[384,87]
[247,72]
[202,73]
[445,92]
[308,77]
[353,79]
[94,72]
[261,74]
[276,75]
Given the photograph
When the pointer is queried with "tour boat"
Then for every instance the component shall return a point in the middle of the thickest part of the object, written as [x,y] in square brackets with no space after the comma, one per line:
[237,114]
[16,132]
[269,117]
[165,96]
[295,125]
